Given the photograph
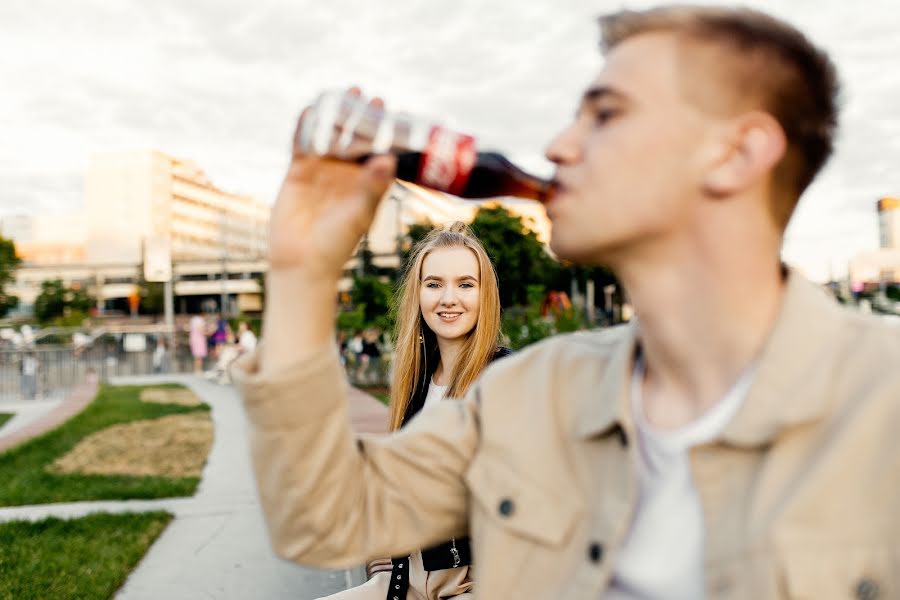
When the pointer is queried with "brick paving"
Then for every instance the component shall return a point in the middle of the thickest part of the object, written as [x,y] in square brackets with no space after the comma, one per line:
[367,413]
[80,396]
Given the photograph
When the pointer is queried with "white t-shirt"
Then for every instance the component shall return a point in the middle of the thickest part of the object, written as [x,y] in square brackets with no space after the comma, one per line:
[436,393]
[662,556]
[247,341]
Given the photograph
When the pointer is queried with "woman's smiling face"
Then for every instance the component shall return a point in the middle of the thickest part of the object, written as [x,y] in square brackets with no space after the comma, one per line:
[449,292]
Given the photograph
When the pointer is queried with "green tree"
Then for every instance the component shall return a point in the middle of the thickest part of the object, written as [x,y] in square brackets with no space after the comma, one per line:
[56,300]
[153,298]
[352,320]
[893,292]
[518,255]
[8,264]
[374,296]
[415,234]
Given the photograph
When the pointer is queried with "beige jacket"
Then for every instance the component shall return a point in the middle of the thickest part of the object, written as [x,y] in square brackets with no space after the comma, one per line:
[801,494]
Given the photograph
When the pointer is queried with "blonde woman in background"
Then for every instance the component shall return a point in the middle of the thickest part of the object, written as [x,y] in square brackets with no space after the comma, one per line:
[448,330]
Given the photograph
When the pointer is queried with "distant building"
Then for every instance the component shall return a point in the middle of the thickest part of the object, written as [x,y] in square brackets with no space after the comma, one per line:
[407,204]
[132,196]
[46,239]
[880,267]
[135,198]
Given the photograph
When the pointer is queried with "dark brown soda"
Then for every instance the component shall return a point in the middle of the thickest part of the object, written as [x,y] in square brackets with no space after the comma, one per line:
[493,176]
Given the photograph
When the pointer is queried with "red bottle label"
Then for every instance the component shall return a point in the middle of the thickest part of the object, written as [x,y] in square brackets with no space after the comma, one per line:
[447,161]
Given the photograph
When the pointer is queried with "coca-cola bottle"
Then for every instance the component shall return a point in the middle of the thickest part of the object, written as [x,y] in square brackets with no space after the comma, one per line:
[344,126]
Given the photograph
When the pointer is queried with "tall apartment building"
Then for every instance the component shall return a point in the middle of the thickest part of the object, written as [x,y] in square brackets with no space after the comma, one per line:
[131,197]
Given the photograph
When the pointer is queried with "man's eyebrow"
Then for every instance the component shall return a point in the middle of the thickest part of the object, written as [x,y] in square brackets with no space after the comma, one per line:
[599,92]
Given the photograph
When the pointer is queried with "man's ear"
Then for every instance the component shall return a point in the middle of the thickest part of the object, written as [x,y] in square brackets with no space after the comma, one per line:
[752,144]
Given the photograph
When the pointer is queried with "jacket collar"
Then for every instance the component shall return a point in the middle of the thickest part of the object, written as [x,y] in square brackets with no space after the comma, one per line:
[604,405]
[794,380]
[791,385]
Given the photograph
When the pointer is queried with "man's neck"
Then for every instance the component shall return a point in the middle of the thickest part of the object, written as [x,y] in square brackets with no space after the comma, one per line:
[701,324]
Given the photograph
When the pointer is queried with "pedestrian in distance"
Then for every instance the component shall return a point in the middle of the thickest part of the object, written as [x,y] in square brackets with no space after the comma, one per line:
[246,338]
[28,368]
[736,439]
[198,342]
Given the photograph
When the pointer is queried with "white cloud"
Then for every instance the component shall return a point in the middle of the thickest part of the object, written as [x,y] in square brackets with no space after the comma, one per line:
[221,83]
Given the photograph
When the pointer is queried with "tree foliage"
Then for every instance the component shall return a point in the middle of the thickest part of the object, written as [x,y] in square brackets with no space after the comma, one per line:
[8,264]
[57,300]
[415,234]
[153,298]
[518,255]
[373,296]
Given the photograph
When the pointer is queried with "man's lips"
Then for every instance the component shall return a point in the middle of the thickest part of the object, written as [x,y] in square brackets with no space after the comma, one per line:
[555,189]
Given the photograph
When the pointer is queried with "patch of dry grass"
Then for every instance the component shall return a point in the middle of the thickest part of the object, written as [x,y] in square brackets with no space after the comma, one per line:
[171,446]
[181,397]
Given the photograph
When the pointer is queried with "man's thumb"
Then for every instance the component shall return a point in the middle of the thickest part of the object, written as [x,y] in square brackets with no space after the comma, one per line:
[379,175]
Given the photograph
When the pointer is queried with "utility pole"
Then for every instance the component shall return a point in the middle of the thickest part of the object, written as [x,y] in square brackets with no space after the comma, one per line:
[223,238]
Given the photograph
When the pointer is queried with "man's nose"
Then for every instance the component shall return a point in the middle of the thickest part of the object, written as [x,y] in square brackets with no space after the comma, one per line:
[565,147]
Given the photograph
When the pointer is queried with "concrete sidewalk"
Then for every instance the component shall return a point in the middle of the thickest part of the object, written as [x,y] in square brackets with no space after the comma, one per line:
[223,551]
[217,545]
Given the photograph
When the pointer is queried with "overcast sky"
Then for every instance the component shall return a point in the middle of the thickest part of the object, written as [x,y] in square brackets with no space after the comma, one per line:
[221,83]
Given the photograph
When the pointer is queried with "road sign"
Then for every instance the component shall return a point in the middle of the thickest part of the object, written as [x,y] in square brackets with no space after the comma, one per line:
[157,258]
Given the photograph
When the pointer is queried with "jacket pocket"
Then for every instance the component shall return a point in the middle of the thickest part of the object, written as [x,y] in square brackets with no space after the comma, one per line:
[857,572]
[519,505]
[519,531]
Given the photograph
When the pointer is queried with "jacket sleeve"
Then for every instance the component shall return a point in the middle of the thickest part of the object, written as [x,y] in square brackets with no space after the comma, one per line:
[334,500]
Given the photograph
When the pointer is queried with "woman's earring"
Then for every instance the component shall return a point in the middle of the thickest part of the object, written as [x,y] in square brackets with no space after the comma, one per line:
[421,339]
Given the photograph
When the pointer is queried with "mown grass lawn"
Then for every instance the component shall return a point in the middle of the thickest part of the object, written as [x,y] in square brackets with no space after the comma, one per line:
[24,480]
[4,417]
[86,558]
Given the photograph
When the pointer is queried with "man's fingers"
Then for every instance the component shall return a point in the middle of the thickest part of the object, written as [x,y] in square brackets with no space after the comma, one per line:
[378,175]
[302,134]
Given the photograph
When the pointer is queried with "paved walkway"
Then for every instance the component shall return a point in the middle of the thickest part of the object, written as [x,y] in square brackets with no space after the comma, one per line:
[25,412]
[34,417]
[217,546]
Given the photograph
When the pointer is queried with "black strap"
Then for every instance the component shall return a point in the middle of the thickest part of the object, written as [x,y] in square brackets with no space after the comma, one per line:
[455,553]
[399,584]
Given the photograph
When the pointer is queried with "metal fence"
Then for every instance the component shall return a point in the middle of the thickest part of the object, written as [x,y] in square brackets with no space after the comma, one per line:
[50,369]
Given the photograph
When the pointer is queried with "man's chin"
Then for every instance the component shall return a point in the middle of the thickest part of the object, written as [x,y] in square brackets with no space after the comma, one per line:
[572,251]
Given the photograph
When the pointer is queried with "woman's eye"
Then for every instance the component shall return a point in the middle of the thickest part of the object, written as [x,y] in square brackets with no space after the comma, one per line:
[432,285]
[466,285]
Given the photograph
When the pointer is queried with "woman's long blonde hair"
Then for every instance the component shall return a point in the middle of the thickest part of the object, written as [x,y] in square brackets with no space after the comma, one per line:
[414,340]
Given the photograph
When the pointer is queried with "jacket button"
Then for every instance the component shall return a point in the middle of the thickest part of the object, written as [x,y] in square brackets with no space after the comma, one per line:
[506,507]
[867,589]
[595,552]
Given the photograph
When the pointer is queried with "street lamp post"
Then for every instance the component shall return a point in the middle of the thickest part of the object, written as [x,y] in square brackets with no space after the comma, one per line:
[223,238]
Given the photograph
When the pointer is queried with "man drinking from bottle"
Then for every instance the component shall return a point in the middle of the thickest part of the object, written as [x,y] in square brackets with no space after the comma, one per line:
[736,440]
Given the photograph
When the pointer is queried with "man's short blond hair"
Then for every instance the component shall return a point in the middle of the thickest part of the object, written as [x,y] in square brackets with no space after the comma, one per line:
[758,62]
